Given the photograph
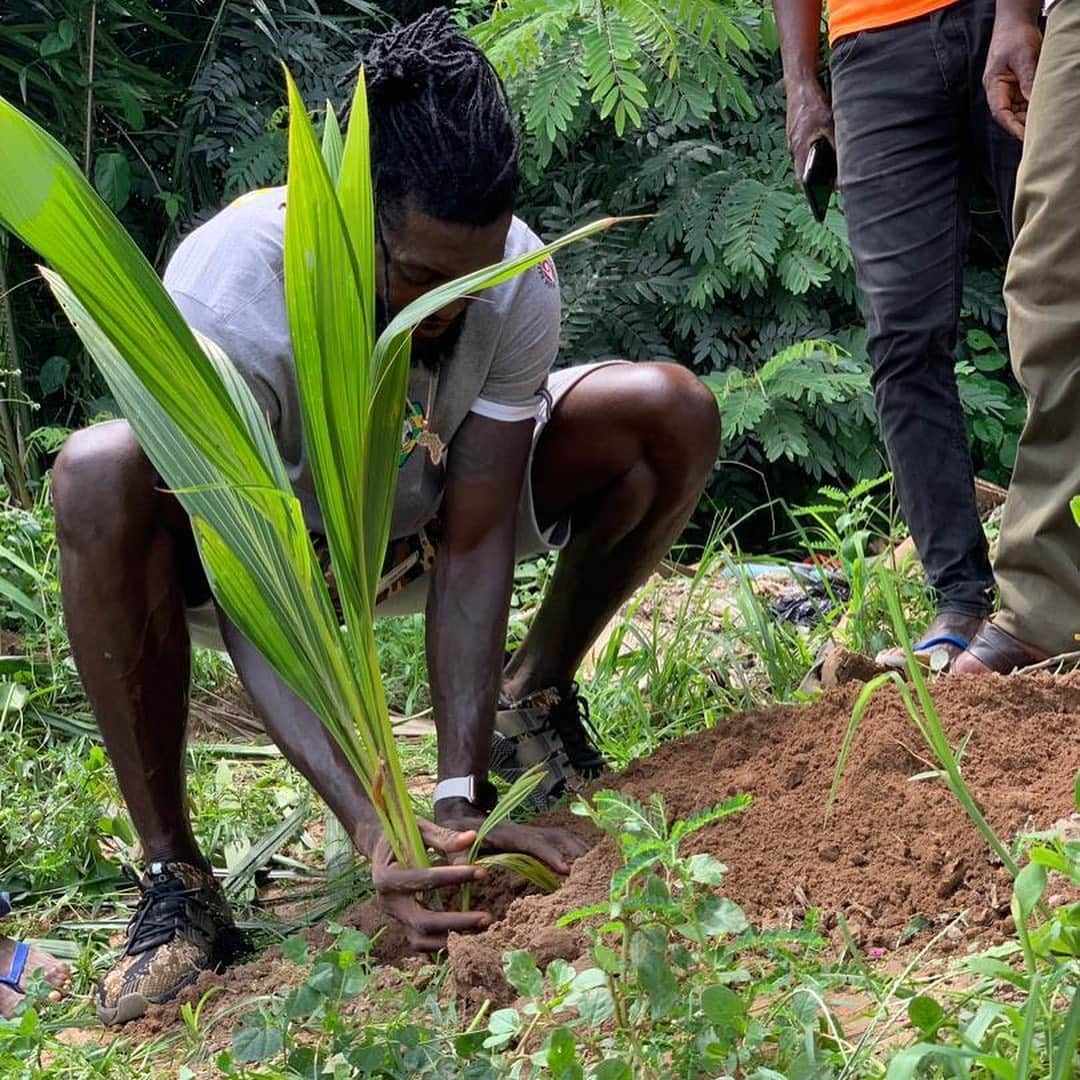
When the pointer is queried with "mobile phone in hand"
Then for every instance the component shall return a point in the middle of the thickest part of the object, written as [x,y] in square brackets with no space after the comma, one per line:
[819,176]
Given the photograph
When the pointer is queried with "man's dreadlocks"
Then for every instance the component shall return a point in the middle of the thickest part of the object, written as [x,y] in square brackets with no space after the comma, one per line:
[441,127]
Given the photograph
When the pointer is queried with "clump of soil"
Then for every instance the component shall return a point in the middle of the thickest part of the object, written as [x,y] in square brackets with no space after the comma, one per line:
[893,849]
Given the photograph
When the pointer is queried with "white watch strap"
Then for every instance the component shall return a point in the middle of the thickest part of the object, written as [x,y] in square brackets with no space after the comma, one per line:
[457,787]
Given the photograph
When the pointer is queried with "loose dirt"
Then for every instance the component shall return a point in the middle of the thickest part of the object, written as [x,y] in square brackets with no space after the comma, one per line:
[897,856]
[897,853]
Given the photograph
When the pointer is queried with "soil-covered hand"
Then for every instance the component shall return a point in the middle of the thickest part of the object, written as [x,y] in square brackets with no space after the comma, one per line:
[1010,73]
[556,847]
[397,887]
[809,118]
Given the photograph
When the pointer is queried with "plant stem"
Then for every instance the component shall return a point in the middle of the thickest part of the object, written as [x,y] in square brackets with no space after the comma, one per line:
[929,724]
[16,461]
[90,57]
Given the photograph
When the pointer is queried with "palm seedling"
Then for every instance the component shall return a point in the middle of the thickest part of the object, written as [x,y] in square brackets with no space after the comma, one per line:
[201,427]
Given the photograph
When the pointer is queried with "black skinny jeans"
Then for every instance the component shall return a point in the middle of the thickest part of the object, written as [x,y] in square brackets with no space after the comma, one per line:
[914,134]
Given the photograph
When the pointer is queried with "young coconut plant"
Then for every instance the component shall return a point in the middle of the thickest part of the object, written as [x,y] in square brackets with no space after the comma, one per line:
[200,425]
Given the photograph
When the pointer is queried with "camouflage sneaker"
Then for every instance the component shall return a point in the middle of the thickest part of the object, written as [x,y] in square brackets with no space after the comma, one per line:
[551,726]
[181,928]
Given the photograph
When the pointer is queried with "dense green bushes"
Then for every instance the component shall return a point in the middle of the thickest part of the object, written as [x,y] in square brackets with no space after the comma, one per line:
[674,112]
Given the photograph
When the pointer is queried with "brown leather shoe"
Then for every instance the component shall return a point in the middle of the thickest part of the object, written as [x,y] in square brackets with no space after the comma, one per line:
[992,650]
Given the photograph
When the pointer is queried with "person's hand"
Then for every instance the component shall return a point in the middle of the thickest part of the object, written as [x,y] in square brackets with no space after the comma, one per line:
[1010,73]
[397,887]
[809,118]
[555,847]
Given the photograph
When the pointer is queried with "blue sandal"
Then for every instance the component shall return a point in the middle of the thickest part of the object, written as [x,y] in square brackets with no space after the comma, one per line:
[942,639]
[13,979]
[894,658]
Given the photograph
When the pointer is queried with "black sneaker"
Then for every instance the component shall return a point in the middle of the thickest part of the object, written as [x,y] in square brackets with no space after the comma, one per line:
[550,727]
[181,927]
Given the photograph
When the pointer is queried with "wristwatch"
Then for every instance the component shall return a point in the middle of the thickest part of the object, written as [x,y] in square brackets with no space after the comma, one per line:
[477,790]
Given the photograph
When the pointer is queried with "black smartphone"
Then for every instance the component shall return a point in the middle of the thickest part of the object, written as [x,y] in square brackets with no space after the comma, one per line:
[819,177]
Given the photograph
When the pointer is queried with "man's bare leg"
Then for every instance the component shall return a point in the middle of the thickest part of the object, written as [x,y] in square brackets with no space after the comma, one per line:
[625,457]
[125,549]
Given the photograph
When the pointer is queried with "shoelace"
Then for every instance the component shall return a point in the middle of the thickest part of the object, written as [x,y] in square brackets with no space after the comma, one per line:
[161,913]
[573,724]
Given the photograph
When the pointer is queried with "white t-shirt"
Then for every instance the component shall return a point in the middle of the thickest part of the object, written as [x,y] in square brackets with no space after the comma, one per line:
[227,278]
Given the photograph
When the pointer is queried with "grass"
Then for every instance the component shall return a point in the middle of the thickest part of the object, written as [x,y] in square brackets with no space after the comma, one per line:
[735,1001]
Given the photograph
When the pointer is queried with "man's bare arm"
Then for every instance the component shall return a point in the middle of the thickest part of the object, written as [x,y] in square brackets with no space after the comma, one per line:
[468,608]
[469,599]
[809,116]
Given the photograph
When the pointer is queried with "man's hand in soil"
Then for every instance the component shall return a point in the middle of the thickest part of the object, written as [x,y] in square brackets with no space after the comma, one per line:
[397,887]
[555,847]
[1011,62]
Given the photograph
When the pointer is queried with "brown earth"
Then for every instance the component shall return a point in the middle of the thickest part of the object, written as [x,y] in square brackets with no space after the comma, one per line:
[893,850]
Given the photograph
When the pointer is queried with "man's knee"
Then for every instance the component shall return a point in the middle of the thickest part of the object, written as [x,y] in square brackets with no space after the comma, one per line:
[684,422]
[101,483]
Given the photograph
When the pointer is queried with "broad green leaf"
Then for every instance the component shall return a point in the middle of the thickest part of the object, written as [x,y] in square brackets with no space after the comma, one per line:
[322,291]
[50,206]
[26,604]
[658,981]
[502,1027]
[257,1040]
[357,194]
[53,374]
[925,1014]
[112,178]
[1029,887]
[522,973]
[722,1007]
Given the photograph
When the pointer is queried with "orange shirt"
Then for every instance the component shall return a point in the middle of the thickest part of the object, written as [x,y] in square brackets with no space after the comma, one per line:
[849,16]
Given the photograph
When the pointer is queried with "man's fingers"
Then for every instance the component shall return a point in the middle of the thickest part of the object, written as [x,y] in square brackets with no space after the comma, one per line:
[1001,97]
[405,879]
[426,944]
[530,842]
[576,845]
[445,840]
[427,930]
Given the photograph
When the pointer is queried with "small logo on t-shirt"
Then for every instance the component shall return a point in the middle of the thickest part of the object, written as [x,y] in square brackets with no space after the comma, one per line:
[412,430]
[547,272]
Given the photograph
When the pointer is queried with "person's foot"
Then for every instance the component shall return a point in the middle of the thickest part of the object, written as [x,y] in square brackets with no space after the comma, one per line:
[551,727]
[181,927]
[18,962]
[950,633]
[993,651]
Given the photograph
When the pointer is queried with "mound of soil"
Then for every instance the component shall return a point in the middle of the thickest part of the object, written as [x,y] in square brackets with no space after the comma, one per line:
[894,848]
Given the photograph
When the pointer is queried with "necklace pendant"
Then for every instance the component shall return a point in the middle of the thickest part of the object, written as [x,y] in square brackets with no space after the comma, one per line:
[435,447]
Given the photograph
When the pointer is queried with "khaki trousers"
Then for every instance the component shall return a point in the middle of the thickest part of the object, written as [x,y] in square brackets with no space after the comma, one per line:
[1038,561]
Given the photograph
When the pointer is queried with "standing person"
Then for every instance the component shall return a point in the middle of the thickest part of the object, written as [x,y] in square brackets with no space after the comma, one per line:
[605,462]
[1038,559]
[913,135]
